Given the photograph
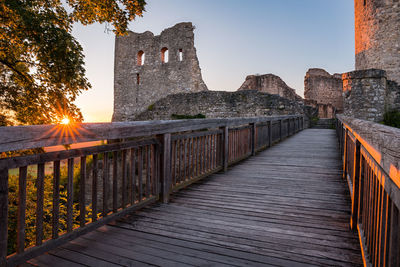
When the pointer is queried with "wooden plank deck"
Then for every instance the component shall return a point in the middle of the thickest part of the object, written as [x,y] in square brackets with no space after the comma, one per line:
[287,206]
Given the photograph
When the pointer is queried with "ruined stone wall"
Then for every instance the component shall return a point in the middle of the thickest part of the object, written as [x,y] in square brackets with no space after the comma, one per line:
[323,111]
[365,94]
[324,88]
[377,25]
[271,84]
[220,104]
[142,74]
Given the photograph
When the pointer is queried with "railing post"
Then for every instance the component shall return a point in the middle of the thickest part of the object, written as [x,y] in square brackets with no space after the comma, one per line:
[344,154]
[270,134]
[3,215]
[253,138]
[356,185]
[165,167]
[225,147]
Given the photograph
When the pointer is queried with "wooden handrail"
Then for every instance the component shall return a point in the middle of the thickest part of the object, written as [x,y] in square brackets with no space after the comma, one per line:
[146,162]
[371,157]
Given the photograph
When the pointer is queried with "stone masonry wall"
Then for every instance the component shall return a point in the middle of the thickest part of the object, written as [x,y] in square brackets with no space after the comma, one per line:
[220,104]
[142,74]
[271,84]
[324,88]
[377,25]
[365,94]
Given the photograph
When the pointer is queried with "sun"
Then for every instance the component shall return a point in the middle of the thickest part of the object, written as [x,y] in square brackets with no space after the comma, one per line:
[65,121]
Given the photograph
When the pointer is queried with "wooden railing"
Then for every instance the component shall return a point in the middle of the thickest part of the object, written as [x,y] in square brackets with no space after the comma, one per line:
[374,187]
[80,189]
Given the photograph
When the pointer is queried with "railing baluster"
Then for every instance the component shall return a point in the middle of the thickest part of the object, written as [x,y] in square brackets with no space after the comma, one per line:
[178,161]
[394,237]
[140,173]
[21,209]
[3,215]
[106,173]
[185,156]
[166,168]
[190,165]
[148,171]
[132,176]
[94,187]
[82,200]
[56,199]
[124,174]
[70,194]
[39,203]
[115,182]
[173,162]
[196,158]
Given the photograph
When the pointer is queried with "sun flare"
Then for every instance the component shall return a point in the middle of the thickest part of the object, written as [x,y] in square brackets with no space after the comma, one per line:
[65,121]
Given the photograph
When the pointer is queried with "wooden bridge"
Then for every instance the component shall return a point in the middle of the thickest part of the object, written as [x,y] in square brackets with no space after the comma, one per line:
[170,199]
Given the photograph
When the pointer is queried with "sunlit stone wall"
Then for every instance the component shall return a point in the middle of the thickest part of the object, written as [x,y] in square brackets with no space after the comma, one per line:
[377,36]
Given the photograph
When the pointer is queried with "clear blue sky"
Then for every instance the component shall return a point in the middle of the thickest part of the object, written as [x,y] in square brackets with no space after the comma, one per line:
[234,38]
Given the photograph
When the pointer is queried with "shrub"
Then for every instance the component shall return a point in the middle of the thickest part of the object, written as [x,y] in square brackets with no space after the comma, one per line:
[392,118]
[185,117]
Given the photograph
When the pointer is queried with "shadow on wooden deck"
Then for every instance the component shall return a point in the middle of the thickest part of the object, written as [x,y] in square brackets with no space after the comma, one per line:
[287,206]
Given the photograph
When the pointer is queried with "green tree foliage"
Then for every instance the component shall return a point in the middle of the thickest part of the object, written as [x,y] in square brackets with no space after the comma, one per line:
[41,63]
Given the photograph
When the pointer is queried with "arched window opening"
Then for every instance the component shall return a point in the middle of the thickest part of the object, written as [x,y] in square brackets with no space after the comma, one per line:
[140,58]
[180,54]
[164,55]
[365,2]
[137,78]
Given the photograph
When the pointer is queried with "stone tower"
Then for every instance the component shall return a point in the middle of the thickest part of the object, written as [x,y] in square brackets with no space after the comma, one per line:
[377,27]
[148,68]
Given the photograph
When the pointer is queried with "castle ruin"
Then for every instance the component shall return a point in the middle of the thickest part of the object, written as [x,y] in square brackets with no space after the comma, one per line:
[323,91]
[373,88]
[148,68]
[377,36]
[269,83]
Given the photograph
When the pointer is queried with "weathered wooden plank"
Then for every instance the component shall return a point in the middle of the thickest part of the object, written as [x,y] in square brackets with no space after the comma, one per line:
[15,162]
[25,137]
[239,214]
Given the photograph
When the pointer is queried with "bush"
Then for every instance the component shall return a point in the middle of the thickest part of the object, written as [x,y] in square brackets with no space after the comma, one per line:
[186,117]
[151,107]
[392,118]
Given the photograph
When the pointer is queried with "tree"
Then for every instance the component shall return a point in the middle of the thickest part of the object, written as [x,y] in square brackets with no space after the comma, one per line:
[41,63]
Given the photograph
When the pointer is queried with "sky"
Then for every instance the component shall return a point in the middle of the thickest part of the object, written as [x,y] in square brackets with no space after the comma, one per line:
[233,38]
